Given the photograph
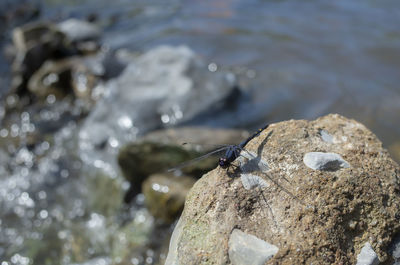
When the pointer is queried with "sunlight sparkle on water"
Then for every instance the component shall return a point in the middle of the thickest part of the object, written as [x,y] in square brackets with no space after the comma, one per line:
[160,188]
[212,67]
[96,221]
[51,99]
[18,259]
[125,122]
[25,200]
[165,118]
[3,132]
[43,214]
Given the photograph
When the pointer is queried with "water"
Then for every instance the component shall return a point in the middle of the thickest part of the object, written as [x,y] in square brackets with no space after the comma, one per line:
[299,59]
[303,59]
[295,59]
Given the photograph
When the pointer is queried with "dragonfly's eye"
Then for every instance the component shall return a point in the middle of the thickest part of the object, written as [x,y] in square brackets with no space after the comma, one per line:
[222,162]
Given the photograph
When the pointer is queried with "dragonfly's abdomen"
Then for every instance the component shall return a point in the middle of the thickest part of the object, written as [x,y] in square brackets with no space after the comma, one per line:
[243,144]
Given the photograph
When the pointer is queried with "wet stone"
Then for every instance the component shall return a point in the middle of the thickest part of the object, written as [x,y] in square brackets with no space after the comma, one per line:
[30,34]
[35,43]
[79,30]
[60,78]
[367,256]
[38,43]
[139,160]
[165,195]
[248,249]
[324,161]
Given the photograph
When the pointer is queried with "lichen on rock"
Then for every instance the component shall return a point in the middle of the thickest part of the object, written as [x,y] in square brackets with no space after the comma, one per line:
[310,215]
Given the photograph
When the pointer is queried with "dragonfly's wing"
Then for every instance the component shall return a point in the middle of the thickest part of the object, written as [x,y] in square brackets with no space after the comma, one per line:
[273,180]
[249,155]
[261,164]
[213,145]
[191,162]
[281,187]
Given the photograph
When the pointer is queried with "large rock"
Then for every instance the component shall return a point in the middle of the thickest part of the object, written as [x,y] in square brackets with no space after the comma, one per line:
[35,43]
[60,78]
[320,216]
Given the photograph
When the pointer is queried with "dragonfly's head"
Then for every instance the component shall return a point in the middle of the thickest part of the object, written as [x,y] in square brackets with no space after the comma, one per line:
[223,162]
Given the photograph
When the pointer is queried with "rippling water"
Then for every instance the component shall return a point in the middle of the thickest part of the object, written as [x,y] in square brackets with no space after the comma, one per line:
[297,59]
[304,58]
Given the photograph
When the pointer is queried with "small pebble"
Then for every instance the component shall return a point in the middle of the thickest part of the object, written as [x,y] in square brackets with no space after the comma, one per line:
[324,161]
[326,137]
[367,256]
[248,249]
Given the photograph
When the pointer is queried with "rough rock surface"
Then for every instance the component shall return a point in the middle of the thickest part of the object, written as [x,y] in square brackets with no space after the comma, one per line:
[312,216]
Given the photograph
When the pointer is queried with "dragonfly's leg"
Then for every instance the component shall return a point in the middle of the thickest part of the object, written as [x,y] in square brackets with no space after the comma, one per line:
[237,152]
[261,190]
[235,166]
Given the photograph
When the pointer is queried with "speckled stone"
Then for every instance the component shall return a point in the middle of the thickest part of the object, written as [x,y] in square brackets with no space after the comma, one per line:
[312,216]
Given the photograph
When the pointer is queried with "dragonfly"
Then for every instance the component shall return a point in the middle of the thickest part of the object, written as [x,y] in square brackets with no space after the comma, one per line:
[232,152]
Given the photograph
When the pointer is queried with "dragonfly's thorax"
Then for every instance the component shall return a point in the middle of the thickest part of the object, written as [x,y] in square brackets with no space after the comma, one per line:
[231,154]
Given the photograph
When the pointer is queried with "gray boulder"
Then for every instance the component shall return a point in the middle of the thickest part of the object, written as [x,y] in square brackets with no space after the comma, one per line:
[312,216]
[167,85]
